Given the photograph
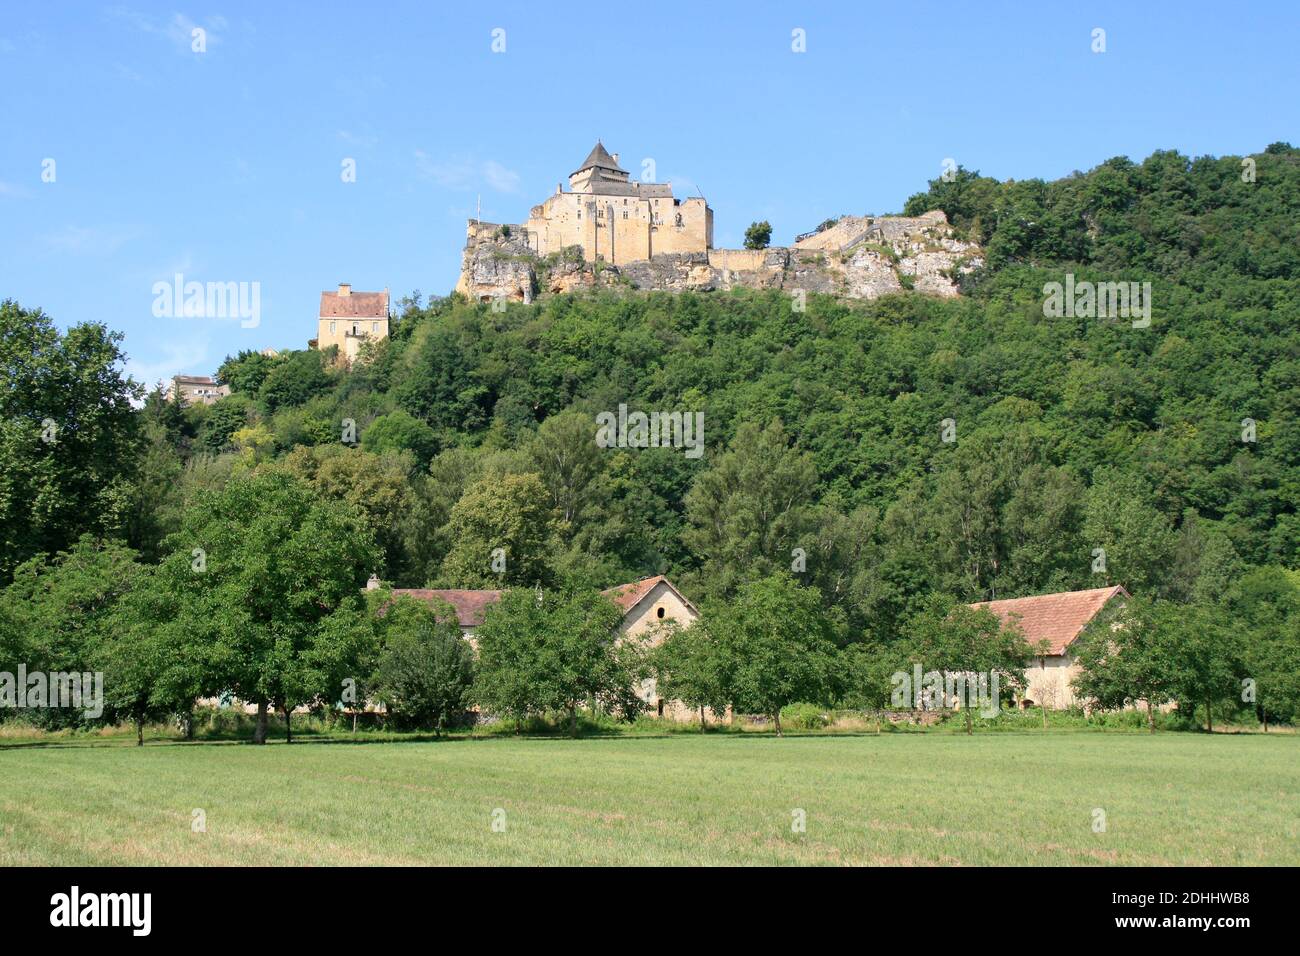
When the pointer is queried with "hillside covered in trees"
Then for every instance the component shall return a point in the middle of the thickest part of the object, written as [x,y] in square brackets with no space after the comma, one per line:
[885,452]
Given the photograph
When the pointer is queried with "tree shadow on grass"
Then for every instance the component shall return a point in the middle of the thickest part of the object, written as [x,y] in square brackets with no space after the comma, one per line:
[310,738]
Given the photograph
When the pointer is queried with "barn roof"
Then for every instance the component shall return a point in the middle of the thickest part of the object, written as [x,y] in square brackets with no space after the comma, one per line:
[470,605]
[1055,618]
[628,596]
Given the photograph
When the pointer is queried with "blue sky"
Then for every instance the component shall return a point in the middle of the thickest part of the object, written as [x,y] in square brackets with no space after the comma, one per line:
[225,165]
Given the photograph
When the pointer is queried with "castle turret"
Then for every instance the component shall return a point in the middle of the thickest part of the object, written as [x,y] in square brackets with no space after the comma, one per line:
[598,169]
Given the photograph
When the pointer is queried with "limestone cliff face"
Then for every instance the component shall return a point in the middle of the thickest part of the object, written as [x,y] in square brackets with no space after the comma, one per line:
[860,257]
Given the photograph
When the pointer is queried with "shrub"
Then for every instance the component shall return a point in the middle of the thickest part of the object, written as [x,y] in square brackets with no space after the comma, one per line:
[805,716]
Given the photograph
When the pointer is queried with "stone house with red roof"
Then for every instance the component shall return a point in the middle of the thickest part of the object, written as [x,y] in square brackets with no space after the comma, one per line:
[348,319]
[645,605]
[1054,622]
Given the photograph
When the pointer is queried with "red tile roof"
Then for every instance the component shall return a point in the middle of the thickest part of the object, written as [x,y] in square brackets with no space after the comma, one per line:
[357,305]
[470,605]
[628,596]
[1055,618]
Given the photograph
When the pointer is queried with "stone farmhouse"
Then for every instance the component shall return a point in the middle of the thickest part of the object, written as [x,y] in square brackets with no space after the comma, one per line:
[645,604]
[347,319]
[1058,620]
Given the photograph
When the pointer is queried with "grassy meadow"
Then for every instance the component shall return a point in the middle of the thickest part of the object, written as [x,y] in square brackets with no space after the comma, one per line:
[1008,798]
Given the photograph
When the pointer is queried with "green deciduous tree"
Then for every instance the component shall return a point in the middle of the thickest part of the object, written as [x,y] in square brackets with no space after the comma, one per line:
[425,671]
[59,612]
[1265,604]
[375,485]
[294,379]
[400,431]
[691,667]
[68,435]
[512,513]
[750,509]
[1136,541]
[1158,652]
[777,644]
[246,371]
[222,419]
[568,461]
[549,650]
[974,642]
[151,669]
[252,575]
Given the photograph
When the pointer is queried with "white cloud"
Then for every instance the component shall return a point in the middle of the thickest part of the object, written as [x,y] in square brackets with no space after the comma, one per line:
[499,178]
[465,173]
[126,73]
[179,30]
[13,191]
[90,240]
[355,139]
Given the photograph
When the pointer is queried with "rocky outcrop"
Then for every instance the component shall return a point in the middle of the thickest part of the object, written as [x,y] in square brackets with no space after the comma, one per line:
[859,257]
[498,266]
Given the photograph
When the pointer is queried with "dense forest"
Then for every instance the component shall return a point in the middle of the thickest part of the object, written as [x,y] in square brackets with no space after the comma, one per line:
[885,452]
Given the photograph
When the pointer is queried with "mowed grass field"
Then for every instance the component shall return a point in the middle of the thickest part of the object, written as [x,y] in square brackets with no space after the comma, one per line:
[727,799]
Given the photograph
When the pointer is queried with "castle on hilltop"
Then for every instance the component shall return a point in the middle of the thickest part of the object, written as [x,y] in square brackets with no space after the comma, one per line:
[612,218]
[607,231]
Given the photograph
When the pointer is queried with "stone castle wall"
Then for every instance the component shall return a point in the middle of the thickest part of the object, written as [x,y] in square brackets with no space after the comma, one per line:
[619,229]
[859,258]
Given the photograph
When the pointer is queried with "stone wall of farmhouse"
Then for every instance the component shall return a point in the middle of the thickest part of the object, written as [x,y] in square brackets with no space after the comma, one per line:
[645,619]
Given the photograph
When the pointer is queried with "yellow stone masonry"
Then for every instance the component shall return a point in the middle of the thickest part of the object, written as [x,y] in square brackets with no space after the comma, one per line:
[614,219]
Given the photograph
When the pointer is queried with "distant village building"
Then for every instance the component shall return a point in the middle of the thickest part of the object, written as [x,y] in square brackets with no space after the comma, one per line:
[613,218]
[349,318]
[191,389]
[1057,620]
[645,604]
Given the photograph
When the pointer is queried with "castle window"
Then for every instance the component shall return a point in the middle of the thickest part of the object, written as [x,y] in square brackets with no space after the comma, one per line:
[374,327]
[660,614]
[624,213]
[331,326]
